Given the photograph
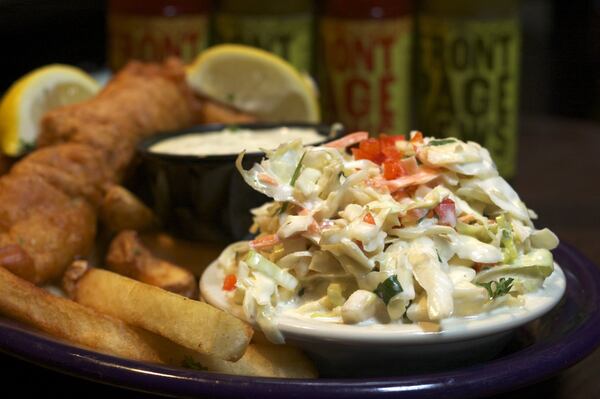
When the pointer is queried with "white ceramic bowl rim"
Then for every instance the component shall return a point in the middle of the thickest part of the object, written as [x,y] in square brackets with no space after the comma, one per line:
[499,320]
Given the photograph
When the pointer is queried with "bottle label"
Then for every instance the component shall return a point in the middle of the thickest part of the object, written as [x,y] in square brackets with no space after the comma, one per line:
[155,38]
[366,77]
[469,83]
[290,37]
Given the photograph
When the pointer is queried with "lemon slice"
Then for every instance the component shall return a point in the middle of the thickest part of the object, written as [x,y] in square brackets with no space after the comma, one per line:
[254,81]
[31,96]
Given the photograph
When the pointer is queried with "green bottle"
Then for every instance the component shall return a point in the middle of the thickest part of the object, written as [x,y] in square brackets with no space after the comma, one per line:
[285,28]
[468,64]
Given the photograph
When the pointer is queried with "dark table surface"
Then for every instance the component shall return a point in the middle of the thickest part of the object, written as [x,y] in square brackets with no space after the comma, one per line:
[558,177]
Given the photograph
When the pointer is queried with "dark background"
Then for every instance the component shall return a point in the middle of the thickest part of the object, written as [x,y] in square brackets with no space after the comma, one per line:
[560,58]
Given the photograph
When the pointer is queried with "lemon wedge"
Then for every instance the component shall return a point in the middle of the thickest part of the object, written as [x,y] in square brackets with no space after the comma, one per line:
[254,81]
[41,90]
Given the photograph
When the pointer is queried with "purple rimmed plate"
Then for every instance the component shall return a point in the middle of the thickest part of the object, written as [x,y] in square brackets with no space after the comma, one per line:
[542,348]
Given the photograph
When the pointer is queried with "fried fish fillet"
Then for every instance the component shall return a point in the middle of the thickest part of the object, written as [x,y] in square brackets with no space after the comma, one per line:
[44,226]
[75,169]
[141,100]
[49,200]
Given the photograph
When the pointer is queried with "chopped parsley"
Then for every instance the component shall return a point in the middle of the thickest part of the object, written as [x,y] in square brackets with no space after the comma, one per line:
[498,288]
[295,176]
[441,142]
[388,288]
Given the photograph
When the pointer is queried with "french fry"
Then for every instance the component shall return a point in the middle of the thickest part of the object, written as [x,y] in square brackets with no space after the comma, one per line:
[66,319]
[80,325]
[264,360]
[192,324]
[128,256]
[121,210]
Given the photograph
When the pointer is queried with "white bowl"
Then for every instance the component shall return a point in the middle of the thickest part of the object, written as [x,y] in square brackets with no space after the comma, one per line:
[359,350]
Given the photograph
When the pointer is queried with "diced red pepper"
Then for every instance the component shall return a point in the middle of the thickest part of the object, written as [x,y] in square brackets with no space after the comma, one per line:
[370,146]
[371,149]
[368,218]
[229,282]
[378,150]
[392,169]
[390,152]
[388,146]
[388,140]
[446,212]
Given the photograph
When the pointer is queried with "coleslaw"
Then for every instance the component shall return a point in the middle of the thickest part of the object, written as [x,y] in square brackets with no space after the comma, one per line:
[384,230]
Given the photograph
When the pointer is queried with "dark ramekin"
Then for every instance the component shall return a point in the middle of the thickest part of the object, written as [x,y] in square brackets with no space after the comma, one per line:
[205,197]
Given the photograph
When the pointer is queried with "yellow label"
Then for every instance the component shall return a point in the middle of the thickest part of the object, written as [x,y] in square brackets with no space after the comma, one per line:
[367,72]
[290,37]
[155,38]
[469,83]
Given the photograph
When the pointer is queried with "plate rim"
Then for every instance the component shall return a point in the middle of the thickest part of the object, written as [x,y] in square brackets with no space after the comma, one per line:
[480,379]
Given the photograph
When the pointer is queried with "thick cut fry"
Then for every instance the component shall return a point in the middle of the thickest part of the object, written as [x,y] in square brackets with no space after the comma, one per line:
[128,256]
[84,326]
[264,360]
[193,324]
[121,210]
[66,319]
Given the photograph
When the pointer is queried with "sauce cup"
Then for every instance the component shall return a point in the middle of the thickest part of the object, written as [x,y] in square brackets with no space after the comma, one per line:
[203,197]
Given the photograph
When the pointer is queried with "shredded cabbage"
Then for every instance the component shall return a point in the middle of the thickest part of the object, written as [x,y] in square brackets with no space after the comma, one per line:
[338,229]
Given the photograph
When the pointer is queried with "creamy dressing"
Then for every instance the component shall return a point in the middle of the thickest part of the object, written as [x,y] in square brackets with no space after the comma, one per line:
[536,302]
[234,141]
[288,319]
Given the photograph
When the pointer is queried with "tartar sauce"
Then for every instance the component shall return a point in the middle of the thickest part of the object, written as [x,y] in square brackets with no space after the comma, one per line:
[233,141]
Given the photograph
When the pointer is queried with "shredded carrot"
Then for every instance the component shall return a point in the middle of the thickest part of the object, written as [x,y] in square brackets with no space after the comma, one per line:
[348,140]
[368,218]
[265,178]
[417,137]
[424,175]
[266,241]
[314,228]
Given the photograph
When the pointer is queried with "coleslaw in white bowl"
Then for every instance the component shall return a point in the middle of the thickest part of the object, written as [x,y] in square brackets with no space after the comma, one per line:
[395,237]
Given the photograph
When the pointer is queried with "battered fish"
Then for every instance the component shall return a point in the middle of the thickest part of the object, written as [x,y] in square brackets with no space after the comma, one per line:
[141,100]
[49,200]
